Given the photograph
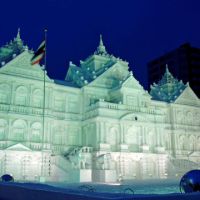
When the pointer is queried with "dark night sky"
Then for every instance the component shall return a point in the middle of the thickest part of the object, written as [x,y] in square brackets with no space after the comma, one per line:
[135,30]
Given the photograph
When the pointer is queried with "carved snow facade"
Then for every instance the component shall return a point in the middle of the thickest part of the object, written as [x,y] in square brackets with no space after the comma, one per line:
[100,124]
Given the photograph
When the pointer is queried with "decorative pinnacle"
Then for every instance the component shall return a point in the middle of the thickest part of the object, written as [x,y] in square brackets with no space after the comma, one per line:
[18,33]
[101,41]
[167,69]
[101,48]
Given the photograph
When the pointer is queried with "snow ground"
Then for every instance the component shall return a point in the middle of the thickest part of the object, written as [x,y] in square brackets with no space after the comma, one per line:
[166,190]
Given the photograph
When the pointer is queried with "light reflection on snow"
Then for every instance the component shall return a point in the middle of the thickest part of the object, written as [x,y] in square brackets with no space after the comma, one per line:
[140,187]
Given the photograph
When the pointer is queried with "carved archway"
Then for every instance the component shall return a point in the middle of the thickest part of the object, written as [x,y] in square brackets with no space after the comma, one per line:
[37,98]
[132,138]
[3,127]
[21,95]
[36,132]
[19,128]
[5,91]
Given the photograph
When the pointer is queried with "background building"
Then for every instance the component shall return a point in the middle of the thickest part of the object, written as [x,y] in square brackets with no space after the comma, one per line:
[183,62]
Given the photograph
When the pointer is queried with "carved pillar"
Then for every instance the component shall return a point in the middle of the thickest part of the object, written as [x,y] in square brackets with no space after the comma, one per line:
[143,135]
[140,137]
[104,132]
[47,131]
[101,132]
[6,129]
[9,129]
[97,134]
[12,93]
[121,134]
[161,137]
[48,98]
[156,137]
[118,135]
[29,93]
[29,132]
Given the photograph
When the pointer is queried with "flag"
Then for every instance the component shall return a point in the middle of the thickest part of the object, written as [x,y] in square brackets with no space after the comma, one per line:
[39,54]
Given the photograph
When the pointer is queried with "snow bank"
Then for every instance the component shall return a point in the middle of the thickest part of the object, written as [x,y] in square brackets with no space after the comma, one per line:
[31,191]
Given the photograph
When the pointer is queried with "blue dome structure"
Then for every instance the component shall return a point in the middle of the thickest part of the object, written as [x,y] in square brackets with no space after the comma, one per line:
[190,182]
[7,178]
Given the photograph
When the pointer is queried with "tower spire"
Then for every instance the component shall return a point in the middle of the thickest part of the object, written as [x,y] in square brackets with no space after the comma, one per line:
[101,41]
[166,68]
[17,42]
[101,48]
[18,33]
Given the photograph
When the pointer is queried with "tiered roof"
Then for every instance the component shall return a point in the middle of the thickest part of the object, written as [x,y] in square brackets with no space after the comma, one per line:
[168,88]
[12,49]
[88,70]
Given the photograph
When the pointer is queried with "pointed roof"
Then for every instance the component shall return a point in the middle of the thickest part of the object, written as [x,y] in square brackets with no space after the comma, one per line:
[80,77]
[168,88]
[11,50]
[92,67]
[18,147]
[18,34]
[131,82]
[167,78]
[21,66]
[112,76]
[101,49]
[188,97]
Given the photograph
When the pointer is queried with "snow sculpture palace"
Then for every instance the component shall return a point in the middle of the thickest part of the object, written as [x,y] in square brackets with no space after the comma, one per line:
[100,124]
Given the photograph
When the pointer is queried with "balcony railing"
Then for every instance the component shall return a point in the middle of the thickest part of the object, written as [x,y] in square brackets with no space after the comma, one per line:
[114,106]
[37,111]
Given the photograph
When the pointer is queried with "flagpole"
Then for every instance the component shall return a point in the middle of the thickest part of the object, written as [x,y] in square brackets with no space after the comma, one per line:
[44,95]
[44,98]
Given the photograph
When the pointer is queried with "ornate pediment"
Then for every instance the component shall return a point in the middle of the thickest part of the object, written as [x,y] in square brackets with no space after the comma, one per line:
[133,117]
[132,83]
[21,66]
[188,97]
[167,89]
[18,147]
[195,154]
[144,115]
[112,77]
[98,70]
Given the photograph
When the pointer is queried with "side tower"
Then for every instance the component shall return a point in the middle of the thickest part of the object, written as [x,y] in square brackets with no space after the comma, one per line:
[182,123]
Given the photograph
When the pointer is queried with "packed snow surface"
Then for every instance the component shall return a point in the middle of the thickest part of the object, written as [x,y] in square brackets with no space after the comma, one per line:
[155,190]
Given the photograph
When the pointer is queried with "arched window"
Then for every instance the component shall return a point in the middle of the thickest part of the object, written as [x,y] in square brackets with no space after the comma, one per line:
[183,142]
[4,93]
[191,143]
[36,132]
[72,138]
[59,103]
[112,136]
[18,131]
[197,118]
[3,125]
[189,118]
[198,144]
[21,95]
[131,136]
[58,135]
[180,117]
[37,98]
[167,141]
